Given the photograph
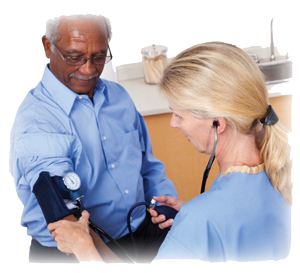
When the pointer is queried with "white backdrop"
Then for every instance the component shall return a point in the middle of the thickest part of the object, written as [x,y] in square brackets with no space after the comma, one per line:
[135,24]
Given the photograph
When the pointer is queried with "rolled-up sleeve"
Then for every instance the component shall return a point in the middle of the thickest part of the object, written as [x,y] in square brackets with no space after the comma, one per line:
[37,150]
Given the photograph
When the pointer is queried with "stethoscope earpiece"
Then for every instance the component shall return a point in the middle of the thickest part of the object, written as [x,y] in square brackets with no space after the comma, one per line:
[215,123]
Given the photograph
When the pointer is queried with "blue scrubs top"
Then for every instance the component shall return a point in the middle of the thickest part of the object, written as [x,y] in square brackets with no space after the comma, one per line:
[241,218]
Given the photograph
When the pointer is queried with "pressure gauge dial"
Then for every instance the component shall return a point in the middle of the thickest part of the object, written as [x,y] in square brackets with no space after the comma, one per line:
[72,181]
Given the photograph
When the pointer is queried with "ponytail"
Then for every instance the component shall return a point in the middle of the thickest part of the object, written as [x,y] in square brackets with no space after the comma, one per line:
[272,142]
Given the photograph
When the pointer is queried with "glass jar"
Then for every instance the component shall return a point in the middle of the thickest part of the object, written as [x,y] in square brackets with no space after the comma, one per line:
[154,62]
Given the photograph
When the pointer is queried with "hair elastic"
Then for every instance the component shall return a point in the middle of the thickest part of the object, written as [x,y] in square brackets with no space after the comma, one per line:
[271,117]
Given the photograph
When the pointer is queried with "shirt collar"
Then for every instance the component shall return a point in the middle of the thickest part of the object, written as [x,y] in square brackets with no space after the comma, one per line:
[244,169]
[63,95]
[101,87]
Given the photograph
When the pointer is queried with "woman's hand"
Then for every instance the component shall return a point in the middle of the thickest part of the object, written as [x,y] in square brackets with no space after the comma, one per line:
[74,237]
[172,202]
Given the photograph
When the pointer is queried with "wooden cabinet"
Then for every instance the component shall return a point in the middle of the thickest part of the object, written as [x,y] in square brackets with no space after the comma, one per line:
[184,165]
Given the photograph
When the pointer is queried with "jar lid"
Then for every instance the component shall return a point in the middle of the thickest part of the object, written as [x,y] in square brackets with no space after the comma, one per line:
[154,50]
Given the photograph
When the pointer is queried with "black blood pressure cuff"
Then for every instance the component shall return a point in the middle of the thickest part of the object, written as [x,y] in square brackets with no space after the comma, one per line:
[50,196]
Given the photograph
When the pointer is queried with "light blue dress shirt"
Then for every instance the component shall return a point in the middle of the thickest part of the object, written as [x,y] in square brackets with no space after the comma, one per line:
[105,142]
[241,218]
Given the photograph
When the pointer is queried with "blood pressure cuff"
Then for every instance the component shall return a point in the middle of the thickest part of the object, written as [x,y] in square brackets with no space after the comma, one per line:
[50,196]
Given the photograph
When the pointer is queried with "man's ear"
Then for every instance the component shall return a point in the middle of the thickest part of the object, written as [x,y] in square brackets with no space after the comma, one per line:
[47,46]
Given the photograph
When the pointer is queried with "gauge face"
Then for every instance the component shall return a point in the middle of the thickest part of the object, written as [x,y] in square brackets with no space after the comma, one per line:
[72,181]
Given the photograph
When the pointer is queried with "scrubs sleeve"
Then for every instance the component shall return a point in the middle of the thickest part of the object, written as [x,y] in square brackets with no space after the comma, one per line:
[153,172]
[180,241]
[192,236]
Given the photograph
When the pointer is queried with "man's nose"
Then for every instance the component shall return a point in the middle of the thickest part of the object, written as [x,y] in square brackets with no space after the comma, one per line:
[174,121]
[88,68]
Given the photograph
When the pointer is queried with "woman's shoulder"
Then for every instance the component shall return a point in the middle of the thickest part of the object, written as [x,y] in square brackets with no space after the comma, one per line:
[242,181]
[237,192]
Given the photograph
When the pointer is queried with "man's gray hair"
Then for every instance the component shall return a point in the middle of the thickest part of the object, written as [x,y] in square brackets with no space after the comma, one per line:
[52,25]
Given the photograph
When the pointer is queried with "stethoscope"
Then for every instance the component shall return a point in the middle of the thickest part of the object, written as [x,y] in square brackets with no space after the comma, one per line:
[71,183]
[211,160]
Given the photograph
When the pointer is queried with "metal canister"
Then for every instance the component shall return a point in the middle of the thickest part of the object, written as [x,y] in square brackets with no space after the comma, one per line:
[154,62]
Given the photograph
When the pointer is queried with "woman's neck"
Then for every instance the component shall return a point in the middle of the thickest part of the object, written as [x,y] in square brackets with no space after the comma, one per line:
[236,149]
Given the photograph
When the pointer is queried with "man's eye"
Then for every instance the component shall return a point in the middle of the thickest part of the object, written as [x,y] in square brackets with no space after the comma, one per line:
[74,59]
[99,57]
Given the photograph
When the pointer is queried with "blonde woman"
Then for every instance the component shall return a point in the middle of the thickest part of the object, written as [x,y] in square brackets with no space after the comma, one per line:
[246,213]
[220,102]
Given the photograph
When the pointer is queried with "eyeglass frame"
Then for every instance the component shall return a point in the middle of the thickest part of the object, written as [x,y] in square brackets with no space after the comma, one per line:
[83,58]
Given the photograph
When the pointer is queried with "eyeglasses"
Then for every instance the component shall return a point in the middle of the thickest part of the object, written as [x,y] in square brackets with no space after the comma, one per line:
[77,61]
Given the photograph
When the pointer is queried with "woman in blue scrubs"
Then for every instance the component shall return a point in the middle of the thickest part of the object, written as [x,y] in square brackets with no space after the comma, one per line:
[246,214]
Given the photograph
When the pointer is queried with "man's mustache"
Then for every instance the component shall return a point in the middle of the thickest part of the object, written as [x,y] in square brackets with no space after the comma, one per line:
[83,77]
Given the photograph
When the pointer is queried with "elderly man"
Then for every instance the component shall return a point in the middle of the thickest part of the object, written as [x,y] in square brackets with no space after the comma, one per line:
[73,121]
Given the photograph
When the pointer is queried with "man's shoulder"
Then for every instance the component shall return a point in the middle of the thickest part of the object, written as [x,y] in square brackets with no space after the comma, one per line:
[36,110]
[118,95]
[115,88]
[28,106]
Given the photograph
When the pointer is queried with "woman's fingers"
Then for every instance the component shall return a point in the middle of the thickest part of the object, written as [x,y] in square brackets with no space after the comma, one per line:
[170,201]
[166,224]
[161,199]
[158,219]
[85,215]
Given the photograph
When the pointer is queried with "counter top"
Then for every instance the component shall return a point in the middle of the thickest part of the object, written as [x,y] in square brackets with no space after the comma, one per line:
[146,96]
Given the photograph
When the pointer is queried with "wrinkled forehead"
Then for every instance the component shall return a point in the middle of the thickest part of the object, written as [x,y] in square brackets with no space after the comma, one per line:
[83,30]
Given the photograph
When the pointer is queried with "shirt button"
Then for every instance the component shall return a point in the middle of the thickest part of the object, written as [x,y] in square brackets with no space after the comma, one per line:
[131,218]
[80,97]
[77,162]
[104,138]
[126,191]
[113,166]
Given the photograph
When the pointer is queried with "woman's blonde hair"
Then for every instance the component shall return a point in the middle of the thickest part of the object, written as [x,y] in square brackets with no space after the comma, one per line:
[220,80]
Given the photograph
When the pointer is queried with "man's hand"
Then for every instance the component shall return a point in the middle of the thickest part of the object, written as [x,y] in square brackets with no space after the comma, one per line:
[172,202]
[74,237]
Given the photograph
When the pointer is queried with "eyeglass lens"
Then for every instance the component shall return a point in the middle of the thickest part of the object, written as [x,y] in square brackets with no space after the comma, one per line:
[82,60]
